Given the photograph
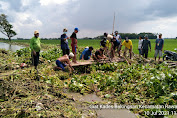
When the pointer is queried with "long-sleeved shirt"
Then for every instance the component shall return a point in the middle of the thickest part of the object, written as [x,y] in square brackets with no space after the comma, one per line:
[35,44]
[146,44]
[64,43]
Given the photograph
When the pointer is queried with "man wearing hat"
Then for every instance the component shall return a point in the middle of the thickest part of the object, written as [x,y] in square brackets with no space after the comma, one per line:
[35,45]
[64,42]
[145,46]
[62,61]
[128,46]
[73,38]
[159,46]
[118,36]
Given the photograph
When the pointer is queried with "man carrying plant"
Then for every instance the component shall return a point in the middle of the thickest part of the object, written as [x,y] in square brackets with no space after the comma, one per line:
[73,38]
[64,42]
[62,61]
[145,46]
[128,46]
[86,53]
[159,46]
[35,45]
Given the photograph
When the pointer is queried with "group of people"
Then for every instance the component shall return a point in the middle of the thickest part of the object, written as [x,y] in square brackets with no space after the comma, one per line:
[106,51]
[61,62]
[145,44]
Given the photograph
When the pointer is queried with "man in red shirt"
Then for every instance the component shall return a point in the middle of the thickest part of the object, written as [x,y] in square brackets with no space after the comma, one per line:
[73,38]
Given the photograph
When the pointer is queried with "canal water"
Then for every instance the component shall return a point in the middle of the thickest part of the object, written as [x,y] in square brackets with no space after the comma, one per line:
[10,47]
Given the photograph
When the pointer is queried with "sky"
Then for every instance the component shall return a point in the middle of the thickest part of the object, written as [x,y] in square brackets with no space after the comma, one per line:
[92,17]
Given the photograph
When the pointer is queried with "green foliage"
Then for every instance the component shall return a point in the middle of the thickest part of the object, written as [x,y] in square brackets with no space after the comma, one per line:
[6,27]
[52,54]
[135,84]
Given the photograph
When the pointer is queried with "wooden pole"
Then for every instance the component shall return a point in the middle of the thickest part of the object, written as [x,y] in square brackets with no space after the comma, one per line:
[113,24]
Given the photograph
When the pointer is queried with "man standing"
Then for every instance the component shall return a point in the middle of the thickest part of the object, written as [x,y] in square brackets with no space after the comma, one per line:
[74,43]
[140,45]
[35,45]
[128,46]
[159,46]
[86,53]
[64,42]
[118,36]
[145,46]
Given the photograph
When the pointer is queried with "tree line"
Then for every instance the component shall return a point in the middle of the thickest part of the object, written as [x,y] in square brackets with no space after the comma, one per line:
[133,35]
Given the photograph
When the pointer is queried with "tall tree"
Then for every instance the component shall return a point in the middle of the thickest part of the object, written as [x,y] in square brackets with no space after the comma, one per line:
[6,27]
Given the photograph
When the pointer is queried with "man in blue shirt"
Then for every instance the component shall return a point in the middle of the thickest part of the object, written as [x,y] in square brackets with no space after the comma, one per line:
[159,47]
[64,42]
[86,53]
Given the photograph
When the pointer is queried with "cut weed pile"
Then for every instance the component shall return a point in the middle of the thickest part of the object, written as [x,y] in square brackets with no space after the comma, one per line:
[29,98]
[27,94]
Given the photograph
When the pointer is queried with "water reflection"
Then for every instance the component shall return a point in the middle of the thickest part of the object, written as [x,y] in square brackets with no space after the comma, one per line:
[11,47]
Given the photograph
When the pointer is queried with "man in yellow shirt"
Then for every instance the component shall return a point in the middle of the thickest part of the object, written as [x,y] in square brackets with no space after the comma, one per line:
[128,46]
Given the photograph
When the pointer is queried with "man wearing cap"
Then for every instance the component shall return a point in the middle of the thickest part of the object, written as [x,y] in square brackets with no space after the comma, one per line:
[86,53]
[62,61]
[145,46]
[73,38]
[159,46]
[118,36]
[35,45]
[64,42]
[128,46]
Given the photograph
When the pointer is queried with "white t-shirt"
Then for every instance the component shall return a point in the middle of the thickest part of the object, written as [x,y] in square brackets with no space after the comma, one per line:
[118,37]
[109,37]
[140,43]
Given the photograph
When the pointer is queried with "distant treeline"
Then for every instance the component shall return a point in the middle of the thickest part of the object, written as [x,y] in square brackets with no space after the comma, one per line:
[133,35]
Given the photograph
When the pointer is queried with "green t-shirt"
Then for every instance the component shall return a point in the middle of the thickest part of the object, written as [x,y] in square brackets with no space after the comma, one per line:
[35,44]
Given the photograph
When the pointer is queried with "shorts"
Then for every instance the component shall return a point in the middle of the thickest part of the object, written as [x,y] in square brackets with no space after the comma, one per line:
[158,52]
[114,47]
[73,49]
[60,64]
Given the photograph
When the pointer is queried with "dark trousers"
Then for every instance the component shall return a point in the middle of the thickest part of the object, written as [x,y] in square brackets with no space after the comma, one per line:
[66,51]
[145,52]
[35,58]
